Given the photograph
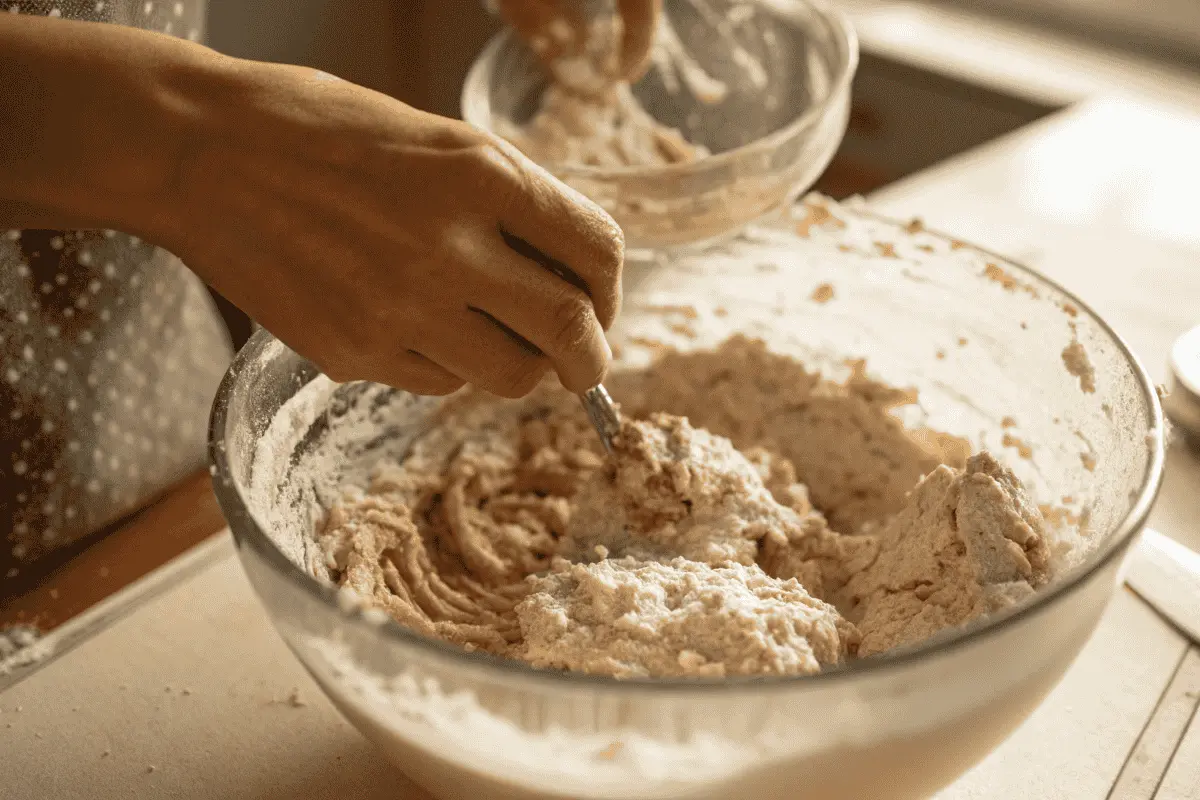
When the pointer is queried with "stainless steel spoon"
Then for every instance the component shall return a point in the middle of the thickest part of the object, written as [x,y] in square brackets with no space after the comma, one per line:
[603,414]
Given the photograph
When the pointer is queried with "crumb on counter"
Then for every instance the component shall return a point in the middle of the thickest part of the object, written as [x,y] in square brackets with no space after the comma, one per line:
[1023,449]
[822,294]
[816,215]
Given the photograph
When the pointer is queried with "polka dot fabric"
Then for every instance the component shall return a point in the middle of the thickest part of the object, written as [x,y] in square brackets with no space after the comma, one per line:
[184,18]
[110,353]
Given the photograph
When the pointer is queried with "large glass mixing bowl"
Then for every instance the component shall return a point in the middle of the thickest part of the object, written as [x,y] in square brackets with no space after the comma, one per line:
[786,66]
[982,340]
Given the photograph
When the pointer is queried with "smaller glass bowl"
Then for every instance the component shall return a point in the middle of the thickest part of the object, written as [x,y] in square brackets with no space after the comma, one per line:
[787,66]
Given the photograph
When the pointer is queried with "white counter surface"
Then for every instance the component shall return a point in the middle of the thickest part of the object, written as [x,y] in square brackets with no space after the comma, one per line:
[193,696]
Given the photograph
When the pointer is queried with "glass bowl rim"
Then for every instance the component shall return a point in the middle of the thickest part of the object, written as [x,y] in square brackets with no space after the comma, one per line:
[247,533]
[834,19]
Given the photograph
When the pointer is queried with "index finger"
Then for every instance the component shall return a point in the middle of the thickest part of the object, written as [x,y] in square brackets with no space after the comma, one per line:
[565,232]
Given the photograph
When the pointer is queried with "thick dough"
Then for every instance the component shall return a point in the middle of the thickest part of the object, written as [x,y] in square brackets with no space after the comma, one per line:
[679,618]
[681,555]
[609,129]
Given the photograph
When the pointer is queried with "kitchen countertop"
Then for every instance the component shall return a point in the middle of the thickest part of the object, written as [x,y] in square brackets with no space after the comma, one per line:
[215,706]
[212,705]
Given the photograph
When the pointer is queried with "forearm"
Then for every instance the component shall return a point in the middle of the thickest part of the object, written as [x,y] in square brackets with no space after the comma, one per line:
[94,122]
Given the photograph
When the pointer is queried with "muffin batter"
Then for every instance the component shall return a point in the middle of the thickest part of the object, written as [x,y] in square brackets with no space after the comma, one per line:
[607,129]
[588,115]
[772,531]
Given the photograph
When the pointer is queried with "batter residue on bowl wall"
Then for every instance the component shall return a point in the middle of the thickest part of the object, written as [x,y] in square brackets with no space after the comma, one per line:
[755,518]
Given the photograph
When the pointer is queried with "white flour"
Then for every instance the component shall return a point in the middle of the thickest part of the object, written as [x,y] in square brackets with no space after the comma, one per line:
[22,646]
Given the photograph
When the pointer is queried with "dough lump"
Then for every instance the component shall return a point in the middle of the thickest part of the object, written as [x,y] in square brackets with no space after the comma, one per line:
[588,117]
[672,490]
[967,543]
[679,618]
[609,129]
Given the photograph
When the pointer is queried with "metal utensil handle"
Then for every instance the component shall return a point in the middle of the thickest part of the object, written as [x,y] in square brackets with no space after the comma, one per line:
[602,414]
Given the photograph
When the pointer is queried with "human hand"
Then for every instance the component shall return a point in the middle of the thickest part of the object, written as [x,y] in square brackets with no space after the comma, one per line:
[388,244]
[558,30]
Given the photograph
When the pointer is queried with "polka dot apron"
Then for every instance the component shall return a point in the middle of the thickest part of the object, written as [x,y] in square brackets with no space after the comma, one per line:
[110,353]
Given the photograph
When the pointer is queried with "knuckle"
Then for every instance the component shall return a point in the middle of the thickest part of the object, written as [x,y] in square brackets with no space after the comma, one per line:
[572,320]
[616,249]
[602,245]
[497,173]
[615,308]
[608,300]
[519,377]
[611,260]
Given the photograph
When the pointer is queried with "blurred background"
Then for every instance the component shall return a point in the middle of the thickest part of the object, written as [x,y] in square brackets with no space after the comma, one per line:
[419,50]
[937,78]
